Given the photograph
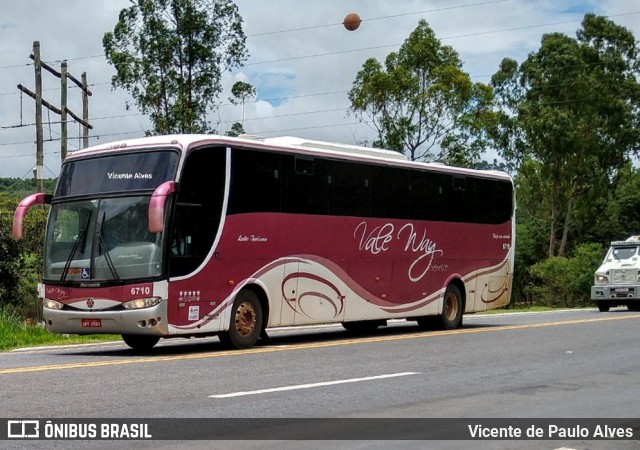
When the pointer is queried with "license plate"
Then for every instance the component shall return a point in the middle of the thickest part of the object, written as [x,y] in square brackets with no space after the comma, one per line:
[92,323]
[622,290]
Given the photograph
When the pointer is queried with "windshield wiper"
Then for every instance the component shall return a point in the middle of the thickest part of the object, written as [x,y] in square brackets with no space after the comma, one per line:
[107,257]
[76,244]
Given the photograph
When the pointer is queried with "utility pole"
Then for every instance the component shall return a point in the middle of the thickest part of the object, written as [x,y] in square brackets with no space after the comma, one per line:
[39,139]
[85,107]
[64,75]
[63,111]
[85,110]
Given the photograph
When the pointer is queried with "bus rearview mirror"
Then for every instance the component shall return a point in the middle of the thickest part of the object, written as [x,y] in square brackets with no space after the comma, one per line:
[157,206]
[21,211]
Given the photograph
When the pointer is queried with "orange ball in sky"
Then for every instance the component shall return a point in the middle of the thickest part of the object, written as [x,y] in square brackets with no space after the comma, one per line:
[352,21]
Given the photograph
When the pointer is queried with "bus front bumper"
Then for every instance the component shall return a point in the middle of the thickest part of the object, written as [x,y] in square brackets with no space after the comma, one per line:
[146,321]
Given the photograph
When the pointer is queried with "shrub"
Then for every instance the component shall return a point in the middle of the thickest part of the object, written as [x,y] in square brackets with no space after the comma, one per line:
[566,281]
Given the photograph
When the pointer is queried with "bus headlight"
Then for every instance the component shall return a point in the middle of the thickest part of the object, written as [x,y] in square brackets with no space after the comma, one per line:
[52,304]
[140,303]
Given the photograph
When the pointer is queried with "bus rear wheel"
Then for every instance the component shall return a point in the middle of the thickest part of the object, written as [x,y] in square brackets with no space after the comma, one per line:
[140,342]
[246,322]
[451,317]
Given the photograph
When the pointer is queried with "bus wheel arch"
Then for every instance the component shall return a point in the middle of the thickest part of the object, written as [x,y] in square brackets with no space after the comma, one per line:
[261,293]
[454,303]
[246,323]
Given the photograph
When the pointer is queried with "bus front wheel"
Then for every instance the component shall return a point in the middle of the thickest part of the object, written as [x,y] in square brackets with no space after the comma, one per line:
[246,322]
[140,342]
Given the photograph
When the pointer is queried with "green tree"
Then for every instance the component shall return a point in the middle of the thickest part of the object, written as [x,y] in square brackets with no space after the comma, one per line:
[9,251]
[236,130]
[241,92]
[20,261]
[19,188]
[532,221]
[616,216]
[574,107]
[421,103]
[170,56]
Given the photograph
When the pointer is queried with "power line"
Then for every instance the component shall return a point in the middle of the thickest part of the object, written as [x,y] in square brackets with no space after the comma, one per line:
[16,65]
[481,33]
[126,133]
[426,11]
[325,54]
[272,99]
[123,133]
[341,124]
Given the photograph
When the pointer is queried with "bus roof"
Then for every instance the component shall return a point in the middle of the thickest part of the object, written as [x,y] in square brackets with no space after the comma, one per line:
[283,143]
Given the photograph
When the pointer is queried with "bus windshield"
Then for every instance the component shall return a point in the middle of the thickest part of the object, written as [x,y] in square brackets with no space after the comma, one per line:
[102,240]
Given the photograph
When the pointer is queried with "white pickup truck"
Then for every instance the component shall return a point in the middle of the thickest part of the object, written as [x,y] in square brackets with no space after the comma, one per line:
[617,280]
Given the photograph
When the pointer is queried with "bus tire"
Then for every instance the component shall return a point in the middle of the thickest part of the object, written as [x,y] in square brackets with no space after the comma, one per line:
[451,317]
[245,325]
[633,306]
[603,306]
[140,342]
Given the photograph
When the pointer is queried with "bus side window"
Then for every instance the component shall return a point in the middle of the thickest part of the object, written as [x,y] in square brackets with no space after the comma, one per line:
[350,189]
[427,195]
[255,182]
[306,185]
[389,192]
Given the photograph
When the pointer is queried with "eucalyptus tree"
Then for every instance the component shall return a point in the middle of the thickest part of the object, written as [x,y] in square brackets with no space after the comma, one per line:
[574,107]
[421,102]
[241,92]
[170,56]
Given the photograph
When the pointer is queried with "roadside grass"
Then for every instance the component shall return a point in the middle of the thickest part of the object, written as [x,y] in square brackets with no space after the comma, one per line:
[15,333]
[519,308]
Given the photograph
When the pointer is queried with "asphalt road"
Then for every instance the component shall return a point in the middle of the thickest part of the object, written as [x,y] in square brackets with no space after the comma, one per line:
[536,366]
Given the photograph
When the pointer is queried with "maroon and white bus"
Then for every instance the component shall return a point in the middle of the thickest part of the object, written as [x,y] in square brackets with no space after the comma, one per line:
[196,235]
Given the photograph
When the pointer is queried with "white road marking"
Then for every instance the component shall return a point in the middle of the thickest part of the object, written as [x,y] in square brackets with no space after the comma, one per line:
[313,385]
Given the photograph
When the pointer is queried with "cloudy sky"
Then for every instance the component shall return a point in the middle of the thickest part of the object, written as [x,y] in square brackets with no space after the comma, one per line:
[302,61]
